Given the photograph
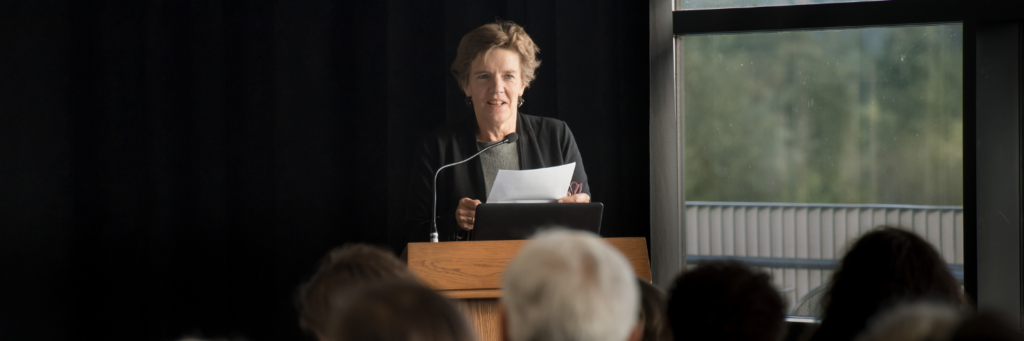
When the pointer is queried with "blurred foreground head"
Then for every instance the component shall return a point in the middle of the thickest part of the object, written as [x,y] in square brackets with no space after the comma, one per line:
[395,311]
[987,326]
[725,301]
[342,268]
[652,312]
[936,321]
[570,286]
[917,321]
[885,267]
[199,338]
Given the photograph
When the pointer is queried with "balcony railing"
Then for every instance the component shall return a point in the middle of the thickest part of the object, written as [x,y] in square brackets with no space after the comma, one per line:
[799,244]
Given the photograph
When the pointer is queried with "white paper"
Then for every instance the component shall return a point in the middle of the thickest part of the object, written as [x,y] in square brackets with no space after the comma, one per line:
[533,185]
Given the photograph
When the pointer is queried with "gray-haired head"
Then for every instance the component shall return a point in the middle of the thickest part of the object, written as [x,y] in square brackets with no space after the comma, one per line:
[916,321]
[570,285]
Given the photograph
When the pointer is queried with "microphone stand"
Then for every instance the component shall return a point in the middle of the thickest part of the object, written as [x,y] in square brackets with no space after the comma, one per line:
[510,138]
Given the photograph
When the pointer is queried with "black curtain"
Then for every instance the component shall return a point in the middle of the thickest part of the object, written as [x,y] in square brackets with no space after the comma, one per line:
[177,167]
[593,75]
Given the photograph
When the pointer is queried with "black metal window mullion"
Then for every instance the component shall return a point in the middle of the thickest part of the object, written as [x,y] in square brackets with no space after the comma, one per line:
[818,16]
[970,162]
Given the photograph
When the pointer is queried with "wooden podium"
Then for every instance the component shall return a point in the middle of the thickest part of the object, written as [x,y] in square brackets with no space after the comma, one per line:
[470,272]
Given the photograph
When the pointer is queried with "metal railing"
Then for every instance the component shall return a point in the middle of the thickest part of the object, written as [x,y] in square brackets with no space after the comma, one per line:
[796,263]
[800,243]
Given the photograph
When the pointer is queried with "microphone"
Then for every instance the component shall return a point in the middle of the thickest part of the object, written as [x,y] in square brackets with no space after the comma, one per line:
[510,138]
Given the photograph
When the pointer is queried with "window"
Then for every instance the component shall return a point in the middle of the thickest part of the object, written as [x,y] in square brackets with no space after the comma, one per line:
[781,133]
[799,142]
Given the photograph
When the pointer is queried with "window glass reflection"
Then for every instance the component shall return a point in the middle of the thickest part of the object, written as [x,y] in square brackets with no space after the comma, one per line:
[799,142]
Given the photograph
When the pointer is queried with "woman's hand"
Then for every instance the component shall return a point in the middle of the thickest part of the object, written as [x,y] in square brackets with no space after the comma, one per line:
[580,198]
[465,215]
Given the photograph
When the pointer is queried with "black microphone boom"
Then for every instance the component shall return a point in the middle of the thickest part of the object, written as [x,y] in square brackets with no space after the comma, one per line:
[510,138]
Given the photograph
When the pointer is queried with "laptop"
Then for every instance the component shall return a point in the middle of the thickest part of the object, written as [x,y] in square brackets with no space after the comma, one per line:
[520,221]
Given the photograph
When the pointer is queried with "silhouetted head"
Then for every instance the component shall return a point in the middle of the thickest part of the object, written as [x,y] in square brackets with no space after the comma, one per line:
[725,301]
[395,311]
[200,338]
[652,312]
[913,321]
[885,267]
[987,326]
[341,268]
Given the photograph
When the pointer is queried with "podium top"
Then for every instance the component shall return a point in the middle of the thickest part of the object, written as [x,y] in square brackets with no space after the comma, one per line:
[473,269]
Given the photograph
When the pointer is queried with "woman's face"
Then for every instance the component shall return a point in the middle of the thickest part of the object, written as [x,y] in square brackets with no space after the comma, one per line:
[495,84]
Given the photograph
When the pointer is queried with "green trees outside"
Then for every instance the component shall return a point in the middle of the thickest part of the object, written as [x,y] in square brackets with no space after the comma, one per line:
[870,115]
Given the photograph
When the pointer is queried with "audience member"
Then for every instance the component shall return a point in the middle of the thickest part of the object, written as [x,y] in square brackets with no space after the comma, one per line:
[725,301]
[886,266]
[395,311]
[200,338]
[917,321]
[570,286]
[652,312]
[986,326]
[341,268]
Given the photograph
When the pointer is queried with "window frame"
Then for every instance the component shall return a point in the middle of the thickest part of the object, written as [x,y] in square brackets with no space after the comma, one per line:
[667,121]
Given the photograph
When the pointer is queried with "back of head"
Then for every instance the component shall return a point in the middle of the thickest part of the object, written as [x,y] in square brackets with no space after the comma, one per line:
[987,326]
[917,321]
[199,338]
[884,267]
[344,267]
[652,312]
[725,301]
[570,285]
[395,311]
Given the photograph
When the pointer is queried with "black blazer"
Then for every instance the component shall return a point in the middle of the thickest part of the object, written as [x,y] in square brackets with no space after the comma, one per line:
[543,142]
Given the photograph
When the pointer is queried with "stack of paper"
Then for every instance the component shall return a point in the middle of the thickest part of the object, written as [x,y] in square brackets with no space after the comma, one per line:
[531,186]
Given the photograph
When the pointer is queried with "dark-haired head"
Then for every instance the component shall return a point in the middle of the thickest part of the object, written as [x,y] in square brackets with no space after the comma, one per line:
[395,311]
[725,301]
[987,326]
[884,267]
[652,312]
[343,267]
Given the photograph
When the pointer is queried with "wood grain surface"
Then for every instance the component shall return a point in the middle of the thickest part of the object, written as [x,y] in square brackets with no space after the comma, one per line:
[483,316]
[470,273]
[478,265]
[467,294]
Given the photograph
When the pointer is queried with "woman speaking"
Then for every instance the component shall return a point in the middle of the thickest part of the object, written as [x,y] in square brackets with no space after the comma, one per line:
[494,65]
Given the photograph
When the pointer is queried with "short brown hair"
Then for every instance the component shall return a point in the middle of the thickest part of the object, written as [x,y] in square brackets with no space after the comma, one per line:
[395,311]
[502,34]
[342,268]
